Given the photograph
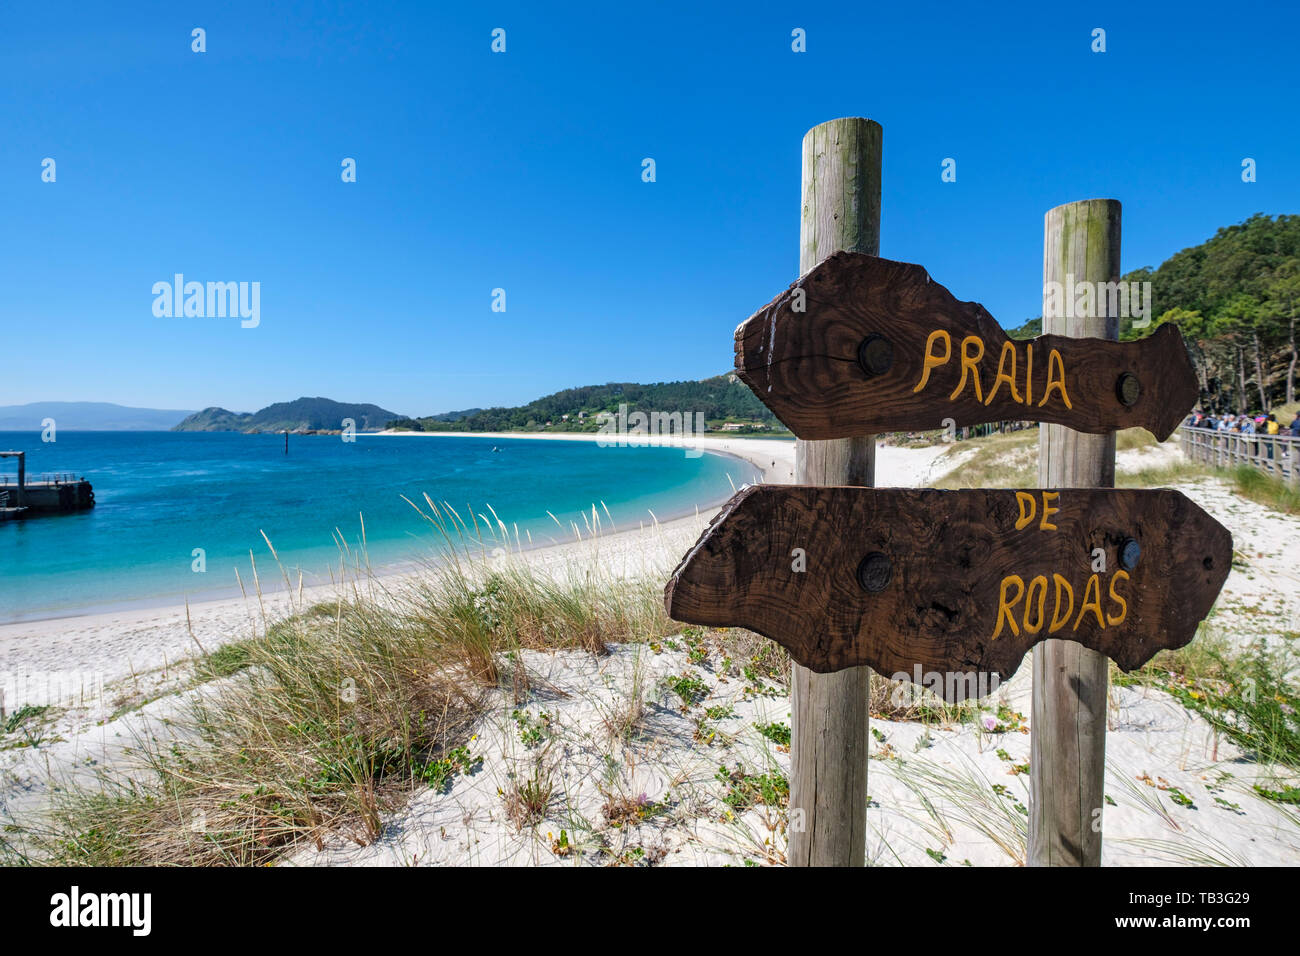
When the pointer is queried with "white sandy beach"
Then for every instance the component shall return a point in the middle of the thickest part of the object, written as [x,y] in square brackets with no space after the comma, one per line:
[954,790]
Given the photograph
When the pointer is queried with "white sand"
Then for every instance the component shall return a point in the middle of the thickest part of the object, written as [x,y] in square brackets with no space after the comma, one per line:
[930,790]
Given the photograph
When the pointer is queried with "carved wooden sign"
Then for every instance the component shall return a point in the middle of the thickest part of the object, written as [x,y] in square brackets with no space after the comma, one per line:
[861,345]
[922,581]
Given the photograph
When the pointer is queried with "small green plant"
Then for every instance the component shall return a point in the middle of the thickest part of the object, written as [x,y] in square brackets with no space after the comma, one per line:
[1285,795]
[746,790]
[777,733]
[532,730]
[1002,791]
[937,855]
[689,688]
[622,810]
[440,773]
[1180,798]
[561,845]
[527,802]
[1004,721]
[20,716]
[720,712]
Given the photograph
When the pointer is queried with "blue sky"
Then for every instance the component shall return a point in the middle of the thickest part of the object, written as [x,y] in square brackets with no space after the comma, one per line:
[522,171]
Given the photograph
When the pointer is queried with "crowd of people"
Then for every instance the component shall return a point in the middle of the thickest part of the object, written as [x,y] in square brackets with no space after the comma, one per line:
[1262,426]
[1244,424]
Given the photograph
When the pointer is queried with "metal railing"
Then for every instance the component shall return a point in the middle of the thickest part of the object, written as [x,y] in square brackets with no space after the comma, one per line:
[44,478]
[1277,455]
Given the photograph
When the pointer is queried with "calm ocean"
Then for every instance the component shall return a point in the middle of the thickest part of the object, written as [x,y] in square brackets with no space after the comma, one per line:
[161,495]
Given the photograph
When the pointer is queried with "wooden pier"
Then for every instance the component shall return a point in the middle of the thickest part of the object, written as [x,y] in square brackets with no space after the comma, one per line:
[52,493]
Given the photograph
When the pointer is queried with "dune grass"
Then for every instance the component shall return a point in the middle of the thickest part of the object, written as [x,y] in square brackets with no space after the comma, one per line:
[996,461]
[1246,694]
[1245,480]
[327,718]
[1250,482]
[1011,460]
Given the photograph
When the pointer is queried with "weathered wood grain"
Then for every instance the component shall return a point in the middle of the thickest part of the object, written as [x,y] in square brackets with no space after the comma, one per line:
[950,554]
[805,366]
[839,211]
[1067,723]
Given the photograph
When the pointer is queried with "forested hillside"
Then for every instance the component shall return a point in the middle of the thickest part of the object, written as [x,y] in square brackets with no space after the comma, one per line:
[720,399]
[1236,298]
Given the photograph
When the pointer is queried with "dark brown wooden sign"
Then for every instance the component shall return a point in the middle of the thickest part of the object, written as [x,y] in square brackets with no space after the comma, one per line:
[923,581]
[862,345]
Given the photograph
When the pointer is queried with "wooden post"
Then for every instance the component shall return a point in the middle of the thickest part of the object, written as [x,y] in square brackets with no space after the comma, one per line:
[1068,722]
[828,752]
[1295,462]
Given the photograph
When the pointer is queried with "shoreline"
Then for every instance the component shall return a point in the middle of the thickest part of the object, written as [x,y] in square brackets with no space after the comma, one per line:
[147,605]
[768,455]
[119,642]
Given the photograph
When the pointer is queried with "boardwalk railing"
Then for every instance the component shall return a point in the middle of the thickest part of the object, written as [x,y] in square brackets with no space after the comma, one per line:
[1278,455]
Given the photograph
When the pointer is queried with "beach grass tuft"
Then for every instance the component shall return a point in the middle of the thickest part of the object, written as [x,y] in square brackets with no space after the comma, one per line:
[314,726]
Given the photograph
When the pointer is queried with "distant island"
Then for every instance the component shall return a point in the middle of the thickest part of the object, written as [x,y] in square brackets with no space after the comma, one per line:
[304,416]
[88,417]
[726,403]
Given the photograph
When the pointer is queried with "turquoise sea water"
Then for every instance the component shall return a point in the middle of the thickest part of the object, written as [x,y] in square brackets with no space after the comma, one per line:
[160,495]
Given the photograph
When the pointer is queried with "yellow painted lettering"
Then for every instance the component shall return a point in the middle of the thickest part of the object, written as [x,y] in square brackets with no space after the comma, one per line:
[1008,349]
[1029,373]
[932,360]
[1059,620]
[1055,363]
[1091,602]
[1048,510]
[1023,499]
[1040,582]
[970,364]
[1005,606]
[1123,605]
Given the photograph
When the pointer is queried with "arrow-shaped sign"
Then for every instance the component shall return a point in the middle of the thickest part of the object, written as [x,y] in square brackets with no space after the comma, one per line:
[921,582]
[861,345]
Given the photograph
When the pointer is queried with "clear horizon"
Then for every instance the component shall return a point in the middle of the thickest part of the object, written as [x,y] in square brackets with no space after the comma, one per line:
[522,171]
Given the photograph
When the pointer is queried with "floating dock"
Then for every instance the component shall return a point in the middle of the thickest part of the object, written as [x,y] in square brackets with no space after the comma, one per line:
[56,493]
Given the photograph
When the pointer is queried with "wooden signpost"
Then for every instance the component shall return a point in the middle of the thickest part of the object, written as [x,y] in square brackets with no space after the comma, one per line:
[862,345]
[921,582]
